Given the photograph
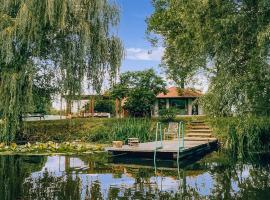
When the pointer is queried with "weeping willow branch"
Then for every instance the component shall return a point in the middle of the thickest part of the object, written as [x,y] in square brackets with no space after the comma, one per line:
[76,36]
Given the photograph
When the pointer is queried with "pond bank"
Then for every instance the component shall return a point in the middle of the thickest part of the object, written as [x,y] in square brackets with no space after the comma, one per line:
[244,134]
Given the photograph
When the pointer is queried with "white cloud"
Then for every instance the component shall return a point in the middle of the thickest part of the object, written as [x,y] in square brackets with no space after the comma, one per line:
[145,54]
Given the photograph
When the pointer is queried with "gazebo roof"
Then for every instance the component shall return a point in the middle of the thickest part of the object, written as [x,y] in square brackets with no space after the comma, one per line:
[175,92]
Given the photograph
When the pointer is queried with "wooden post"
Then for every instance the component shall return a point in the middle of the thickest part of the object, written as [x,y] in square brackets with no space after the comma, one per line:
[61,106]
[91,106]
[117,108]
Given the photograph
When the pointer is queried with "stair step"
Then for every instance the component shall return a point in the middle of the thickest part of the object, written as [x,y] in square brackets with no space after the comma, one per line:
[199,135]
[199,130]
[198,127]
[197,122]
[199,139]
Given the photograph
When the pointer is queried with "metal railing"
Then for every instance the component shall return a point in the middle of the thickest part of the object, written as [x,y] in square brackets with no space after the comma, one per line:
[180,138]
[160,146]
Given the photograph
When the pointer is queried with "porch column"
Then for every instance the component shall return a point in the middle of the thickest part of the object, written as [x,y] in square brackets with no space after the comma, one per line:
[200,110]
[167,104]
[189,107]
[156,108]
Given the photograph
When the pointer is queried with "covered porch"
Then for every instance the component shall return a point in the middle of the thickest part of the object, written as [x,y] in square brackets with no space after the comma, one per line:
[184,101]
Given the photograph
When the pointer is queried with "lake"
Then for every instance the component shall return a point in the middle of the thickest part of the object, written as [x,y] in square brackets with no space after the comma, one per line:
[219,175]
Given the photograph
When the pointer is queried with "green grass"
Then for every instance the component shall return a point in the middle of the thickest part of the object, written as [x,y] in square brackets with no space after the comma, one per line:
[87,129]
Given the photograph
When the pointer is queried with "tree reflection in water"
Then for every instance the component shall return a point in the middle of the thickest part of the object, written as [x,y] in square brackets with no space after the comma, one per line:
[217,176]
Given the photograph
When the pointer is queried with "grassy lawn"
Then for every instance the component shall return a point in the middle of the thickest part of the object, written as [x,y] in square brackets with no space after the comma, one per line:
[67,130]
[98,130]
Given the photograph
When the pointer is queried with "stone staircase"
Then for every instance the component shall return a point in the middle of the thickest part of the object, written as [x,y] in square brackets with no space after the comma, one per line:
[198,131]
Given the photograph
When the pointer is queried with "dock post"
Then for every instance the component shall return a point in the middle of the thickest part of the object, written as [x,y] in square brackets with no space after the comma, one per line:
[158,129]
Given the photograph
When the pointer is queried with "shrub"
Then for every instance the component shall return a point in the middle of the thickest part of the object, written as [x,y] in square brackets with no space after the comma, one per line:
[167,115]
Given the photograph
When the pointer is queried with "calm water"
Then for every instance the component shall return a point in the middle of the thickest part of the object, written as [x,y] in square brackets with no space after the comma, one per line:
[216,176]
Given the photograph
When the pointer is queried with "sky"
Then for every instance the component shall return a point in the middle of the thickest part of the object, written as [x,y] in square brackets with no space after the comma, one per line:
[132,30]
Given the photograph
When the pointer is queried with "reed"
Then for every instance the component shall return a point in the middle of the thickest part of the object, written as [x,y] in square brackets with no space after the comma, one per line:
[140,128]
[245,135]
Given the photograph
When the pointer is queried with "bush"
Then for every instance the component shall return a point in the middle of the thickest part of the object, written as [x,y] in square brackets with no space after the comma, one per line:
[167,115]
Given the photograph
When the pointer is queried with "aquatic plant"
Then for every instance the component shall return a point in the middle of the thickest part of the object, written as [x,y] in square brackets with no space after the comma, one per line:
[140,128]
[250,134]
[50,147]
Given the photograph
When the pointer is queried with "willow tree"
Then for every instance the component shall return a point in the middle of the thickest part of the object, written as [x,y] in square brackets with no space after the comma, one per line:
[229,39]
[77,38]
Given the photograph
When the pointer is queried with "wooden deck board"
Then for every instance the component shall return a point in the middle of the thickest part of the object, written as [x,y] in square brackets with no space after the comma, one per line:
[169,146]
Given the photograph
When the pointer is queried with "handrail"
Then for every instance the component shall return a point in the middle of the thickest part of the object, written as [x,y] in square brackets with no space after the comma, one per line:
[158,129]
[181,132]
[181,141]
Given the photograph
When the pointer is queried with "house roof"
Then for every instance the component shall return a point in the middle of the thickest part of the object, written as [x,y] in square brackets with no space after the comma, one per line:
[85,97]
[175,92]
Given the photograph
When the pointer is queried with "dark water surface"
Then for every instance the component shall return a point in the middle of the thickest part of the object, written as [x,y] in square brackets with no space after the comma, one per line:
[216,176]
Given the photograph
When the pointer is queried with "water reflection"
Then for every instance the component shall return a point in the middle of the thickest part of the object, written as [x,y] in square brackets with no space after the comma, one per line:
[217,176]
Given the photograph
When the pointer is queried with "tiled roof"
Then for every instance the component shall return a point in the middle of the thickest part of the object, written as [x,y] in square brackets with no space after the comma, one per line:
[174,92]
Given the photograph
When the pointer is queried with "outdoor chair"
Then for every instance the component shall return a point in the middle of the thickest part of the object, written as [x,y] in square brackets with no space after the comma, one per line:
[172,131]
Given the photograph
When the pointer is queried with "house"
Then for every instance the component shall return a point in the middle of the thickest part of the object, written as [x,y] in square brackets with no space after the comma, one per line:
[183,100]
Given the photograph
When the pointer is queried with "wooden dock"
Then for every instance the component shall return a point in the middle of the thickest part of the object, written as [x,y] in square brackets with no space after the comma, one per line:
[168,151]
[197,141]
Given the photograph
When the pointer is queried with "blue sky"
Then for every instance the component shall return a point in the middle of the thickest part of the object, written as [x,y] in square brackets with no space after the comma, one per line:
[132,32]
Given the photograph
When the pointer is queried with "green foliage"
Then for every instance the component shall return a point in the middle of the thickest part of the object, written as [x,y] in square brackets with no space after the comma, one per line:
[251,134]
[88,130]
[73,37]
[140,102]
[141,128]
[104,105]
[167,115]
[44,88]
[64,130]
[140,89]
[229,40]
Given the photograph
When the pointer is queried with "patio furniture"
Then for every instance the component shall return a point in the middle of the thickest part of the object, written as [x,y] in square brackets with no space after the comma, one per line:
[171,132]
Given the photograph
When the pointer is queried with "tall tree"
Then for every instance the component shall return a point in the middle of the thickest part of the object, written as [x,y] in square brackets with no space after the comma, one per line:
[75,36]
[140,89]
[230,39]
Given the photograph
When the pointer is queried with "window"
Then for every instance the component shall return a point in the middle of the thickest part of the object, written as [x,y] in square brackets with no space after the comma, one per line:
[161,104]
[180,105]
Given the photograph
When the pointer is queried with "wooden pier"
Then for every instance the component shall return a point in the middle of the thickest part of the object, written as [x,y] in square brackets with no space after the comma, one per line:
[197,141]
[168,151]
